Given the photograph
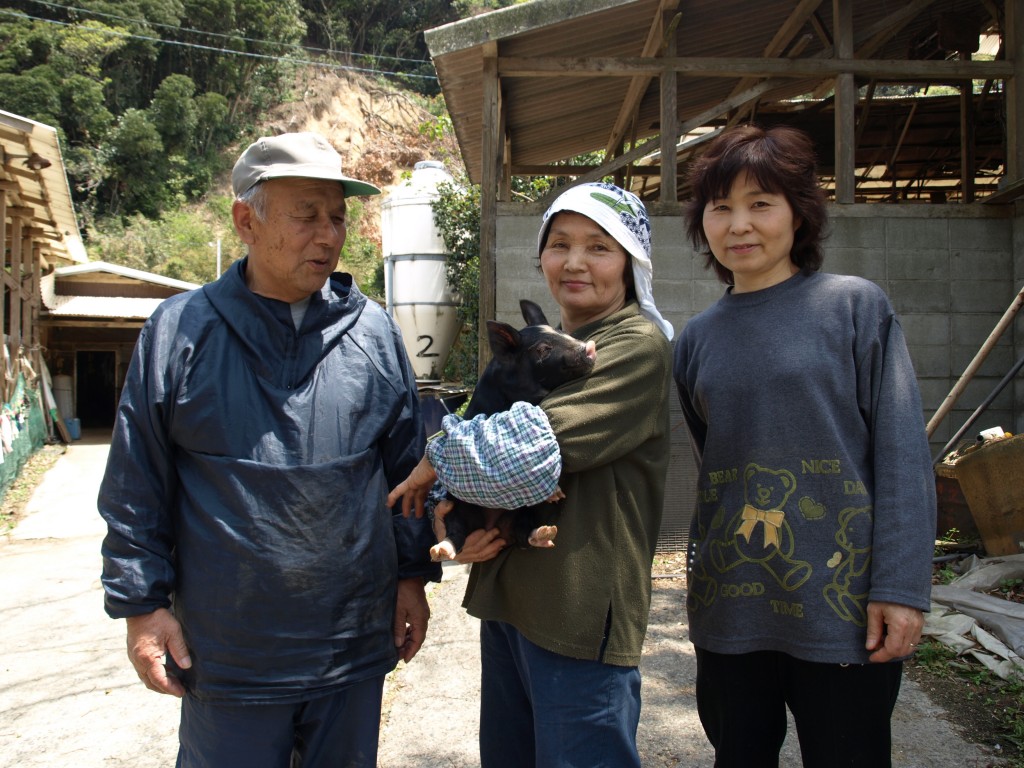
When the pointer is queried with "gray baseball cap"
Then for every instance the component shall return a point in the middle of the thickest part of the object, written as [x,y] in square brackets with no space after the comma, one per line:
[293,155]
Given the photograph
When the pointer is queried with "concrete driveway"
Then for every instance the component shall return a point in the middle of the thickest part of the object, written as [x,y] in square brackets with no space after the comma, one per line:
[69,698]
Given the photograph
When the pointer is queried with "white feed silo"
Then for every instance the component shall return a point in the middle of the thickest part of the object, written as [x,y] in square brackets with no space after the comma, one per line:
[416,287]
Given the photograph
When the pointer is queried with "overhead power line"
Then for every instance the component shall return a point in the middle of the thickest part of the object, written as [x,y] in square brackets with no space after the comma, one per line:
[248,54]
[147,22]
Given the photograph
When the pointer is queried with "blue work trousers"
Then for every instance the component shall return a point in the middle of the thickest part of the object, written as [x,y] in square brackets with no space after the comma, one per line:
[339,730]
[842,711]
[540,709]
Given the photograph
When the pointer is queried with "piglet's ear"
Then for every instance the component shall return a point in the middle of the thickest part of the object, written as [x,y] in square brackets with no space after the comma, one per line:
[532,313]
[504,339]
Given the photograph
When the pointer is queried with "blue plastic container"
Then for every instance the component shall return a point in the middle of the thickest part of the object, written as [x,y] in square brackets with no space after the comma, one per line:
[74,428]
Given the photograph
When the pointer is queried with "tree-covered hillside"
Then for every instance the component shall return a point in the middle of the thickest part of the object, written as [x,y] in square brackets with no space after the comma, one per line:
[152,98]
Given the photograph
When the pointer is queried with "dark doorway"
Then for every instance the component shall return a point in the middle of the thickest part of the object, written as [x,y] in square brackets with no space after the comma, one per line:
[95,389]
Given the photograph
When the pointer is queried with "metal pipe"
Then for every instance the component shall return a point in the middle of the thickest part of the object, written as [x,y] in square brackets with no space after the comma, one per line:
[981,408]
[979,358]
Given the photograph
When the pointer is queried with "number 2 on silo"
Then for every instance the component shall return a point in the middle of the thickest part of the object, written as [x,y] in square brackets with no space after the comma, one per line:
[425,352]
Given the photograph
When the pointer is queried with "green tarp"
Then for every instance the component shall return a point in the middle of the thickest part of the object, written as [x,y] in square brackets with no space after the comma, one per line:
[22,432]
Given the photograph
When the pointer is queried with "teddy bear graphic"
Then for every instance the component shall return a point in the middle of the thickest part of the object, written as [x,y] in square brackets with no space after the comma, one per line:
[759,533]
[850,562]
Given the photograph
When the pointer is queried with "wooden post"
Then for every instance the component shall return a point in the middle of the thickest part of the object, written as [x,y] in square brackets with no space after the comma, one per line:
[32,316]
[14,283]
[966,137]
[3,270]
[845,105]
[669,123]
[491,156]
[1014,47]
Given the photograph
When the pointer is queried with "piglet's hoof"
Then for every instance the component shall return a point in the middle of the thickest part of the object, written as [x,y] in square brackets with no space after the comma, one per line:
[443,550]
[543,536]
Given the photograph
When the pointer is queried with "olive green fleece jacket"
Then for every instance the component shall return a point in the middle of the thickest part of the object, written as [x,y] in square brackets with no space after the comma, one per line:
[613,433]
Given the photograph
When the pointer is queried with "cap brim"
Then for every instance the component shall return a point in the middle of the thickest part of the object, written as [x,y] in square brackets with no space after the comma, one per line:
[352,187]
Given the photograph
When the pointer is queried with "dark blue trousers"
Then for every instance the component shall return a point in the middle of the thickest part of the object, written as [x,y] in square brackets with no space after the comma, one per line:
[842,712]
[542,710]
[339,730]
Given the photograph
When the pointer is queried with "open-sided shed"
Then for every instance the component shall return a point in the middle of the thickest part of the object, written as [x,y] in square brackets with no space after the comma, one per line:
[916,109]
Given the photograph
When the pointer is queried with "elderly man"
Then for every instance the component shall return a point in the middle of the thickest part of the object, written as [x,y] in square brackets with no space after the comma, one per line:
[263,418]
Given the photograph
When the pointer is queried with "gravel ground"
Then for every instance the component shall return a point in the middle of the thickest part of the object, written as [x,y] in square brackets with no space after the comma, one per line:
[68,696]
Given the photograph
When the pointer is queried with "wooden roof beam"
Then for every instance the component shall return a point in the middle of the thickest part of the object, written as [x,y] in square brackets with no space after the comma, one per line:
[821,65]
[876,35]
[788,30]
[655,43]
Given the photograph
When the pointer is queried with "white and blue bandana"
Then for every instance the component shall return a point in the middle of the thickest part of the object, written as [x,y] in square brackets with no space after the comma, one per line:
[622,215]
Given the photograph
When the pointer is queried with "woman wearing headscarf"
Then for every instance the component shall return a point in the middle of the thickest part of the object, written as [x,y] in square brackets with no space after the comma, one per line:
[562,628]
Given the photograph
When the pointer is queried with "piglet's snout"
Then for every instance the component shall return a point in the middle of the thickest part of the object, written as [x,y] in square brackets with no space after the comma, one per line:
[591,351]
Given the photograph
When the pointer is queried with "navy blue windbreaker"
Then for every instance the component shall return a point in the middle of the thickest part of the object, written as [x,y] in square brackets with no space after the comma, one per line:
[245,488]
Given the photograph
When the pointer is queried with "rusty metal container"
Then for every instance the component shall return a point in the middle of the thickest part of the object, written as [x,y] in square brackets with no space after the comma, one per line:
[992,480]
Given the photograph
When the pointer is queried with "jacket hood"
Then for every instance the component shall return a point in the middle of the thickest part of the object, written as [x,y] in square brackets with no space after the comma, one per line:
[331,313]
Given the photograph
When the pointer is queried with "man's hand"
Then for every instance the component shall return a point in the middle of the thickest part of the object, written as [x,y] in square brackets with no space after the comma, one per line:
[893,631]
[480,544]
[412,614]
[414,489]
[150,638]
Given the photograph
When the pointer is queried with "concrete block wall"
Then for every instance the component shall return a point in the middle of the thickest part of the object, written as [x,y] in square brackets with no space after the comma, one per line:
[951,273]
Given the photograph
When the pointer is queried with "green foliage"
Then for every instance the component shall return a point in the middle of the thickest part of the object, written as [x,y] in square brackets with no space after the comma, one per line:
[174,113]
[361,256]
[32,95]
[147,94]
[182,245]
[135,113]
[437,129]
[24,44]
[457,216]
[935,657]
[83,47]
[213,129]
[1003,698]
[84,115]
[136,167]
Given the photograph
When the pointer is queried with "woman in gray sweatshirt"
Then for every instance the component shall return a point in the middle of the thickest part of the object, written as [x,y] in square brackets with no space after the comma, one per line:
[810,555]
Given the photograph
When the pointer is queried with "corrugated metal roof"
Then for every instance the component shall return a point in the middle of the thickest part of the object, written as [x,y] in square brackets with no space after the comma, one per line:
[551,119]
[95,267]
[119,307]
[59,305]
[44,190]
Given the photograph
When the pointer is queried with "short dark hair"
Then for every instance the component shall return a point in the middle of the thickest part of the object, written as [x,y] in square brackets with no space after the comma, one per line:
[782,161]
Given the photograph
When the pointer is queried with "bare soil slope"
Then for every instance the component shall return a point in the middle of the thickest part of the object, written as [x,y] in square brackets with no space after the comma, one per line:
[380,131]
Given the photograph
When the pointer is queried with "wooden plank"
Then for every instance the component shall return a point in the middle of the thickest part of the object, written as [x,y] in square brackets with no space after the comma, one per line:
[28,248]
[669,128]
[14,317]
[5,231]
[883,69]
[652,144]
[490,159]
[967,164]
[845,104]
[1014,47]
[1008,194]
[783,36]
[577,170]
[638,85]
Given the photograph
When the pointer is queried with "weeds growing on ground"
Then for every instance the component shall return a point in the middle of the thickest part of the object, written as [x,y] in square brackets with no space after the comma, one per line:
[31,474]
[984,692]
